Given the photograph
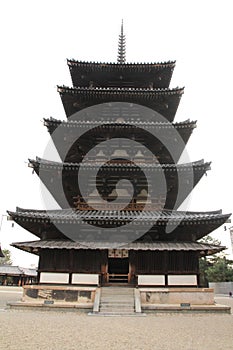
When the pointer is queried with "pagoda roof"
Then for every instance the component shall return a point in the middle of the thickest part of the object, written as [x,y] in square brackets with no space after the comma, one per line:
[190,226]
[92,131]
[56,175]
[164,101]
[36,246]
[52,124]
[137,66]
[121,74]
[43,163]
[98,91]
[76,215]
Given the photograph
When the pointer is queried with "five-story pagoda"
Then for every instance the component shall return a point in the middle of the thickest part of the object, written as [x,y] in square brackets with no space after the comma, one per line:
[120,126]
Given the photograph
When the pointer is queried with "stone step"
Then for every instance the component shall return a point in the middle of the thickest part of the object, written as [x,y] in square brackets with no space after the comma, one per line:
[117,289]
[117,312]
[116,302]
[120,306]
[114,314]
[114,297]
[117,294]
[122,309]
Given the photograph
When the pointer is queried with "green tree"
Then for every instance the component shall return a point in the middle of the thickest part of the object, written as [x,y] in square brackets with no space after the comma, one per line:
[7,258]
[220,270]
[215,268]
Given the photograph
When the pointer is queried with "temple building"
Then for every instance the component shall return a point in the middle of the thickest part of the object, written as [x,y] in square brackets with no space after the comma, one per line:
[120,125]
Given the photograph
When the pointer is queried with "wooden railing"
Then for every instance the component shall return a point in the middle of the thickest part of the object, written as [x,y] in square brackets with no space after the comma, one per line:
[118,206]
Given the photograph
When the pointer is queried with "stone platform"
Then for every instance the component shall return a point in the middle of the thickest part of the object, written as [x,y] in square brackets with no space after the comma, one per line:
[180,300]
[57,297]
[146,300]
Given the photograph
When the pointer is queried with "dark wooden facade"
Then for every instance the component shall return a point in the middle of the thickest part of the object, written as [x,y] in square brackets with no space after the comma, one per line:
[137,263]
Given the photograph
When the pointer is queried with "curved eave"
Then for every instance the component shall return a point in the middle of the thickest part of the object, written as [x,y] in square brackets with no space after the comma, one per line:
[66,135]
[54,175]
[41,229]
[121,74]
[71,216]
[99,66]
[98,91]
[46,164]
[36,246]
[188,226]
[52,124]
[163,101]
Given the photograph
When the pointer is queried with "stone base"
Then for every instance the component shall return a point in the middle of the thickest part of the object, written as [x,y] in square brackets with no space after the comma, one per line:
[52,295]
[23,305]
[174,296]
[169,308]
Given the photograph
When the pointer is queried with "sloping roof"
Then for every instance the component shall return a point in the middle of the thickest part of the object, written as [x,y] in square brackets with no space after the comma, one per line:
[109,91]
[113,65]
[17,270]
[162,100]
[198,165]
[158,246]
[74,214]
[126,124]
[158,216]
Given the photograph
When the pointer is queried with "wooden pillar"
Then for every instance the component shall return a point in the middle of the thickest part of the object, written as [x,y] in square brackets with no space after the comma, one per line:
[166,266]
[132,266]
[71,264]
[5,280]
[104,266]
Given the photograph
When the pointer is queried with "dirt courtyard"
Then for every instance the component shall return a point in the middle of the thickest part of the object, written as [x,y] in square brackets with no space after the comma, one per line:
[74,330]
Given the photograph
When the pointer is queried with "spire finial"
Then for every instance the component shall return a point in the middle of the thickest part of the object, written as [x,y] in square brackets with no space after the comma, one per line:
[121,46]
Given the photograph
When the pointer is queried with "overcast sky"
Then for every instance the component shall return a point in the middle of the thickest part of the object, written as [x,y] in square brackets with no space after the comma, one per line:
[36,39]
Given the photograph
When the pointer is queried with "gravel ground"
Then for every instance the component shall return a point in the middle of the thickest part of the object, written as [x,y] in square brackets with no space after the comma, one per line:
[72,330]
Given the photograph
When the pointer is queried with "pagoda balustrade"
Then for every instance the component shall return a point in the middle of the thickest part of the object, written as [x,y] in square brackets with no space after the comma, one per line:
[136,204]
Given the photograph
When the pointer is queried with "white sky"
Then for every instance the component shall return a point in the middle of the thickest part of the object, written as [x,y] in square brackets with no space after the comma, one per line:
[36,39]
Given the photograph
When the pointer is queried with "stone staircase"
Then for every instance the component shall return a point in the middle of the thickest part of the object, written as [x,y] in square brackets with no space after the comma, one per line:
[116,301]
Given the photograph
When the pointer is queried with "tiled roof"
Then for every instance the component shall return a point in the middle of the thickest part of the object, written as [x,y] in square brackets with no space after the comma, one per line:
[109,91]
[104,215]
[161,246]
[16,270]
[43,163]
[126,124]
[100,66]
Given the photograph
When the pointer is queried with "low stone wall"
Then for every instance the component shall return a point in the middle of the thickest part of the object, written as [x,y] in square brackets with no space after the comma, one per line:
[192,296]
[222,287]
[58,294]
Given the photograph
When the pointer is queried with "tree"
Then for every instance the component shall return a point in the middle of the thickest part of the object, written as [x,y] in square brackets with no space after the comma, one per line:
[220,270]
[215,268]
[210,240]
[7,258]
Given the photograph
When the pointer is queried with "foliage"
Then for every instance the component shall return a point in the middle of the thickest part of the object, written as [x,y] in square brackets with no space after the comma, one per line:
[210,240]
[215,268]
[220,270]
[7,258]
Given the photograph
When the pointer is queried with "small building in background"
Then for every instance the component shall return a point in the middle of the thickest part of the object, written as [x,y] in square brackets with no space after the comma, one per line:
[17,276]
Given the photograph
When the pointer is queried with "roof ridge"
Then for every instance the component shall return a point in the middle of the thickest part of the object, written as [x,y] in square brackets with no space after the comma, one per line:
[101,122]
[73,61]
[131,89]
